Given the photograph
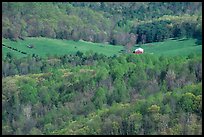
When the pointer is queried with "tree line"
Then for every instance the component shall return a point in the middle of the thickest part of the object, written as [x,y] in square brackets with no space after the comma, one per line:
[114,23]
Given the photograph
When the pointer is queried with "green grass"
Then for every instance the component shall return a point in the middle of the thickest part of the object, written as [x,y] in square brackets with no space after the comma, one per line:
[45,46]
[15,53]
[170,47]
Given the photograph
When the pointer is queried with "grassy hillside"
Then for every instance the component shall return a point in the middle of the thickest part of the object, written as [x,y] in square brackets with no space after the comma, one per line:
[45,46]
[15,53]
[172,47]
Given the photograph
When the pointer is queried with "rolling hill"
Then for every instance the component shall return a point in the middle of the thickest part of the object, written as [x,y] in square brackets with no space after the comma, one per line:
[173,47]
[46,46]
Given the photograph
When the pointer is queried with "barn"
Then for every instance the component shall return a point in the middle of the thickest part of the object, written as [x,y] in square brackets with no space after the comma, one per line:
[139,51]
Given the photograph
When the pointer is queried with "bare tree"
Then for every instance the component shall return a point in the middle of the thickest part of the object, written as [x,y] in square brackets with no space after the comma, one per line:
[143,38]
[170,78]
[131,41]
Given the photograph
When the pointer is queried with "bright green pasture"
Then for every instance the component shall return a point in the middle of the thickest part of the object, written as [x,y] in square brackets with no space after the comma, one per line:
[172,47]
[45,46]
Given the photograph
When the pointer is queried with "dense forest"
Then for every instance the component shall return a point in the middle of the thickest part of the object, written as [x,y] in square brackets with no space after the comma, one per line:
[163,95]
[88,93]
[113,22]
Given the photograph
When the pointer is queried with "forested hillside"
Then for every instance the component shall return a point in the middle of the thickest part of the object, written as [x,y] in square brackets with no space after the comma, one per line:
[68,68]
[95,94]
[114,22]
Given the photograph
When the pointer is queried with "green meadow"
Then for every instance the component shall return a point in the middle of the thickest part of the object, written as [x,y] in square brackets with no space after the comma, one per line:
[172,47]
[47,46]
